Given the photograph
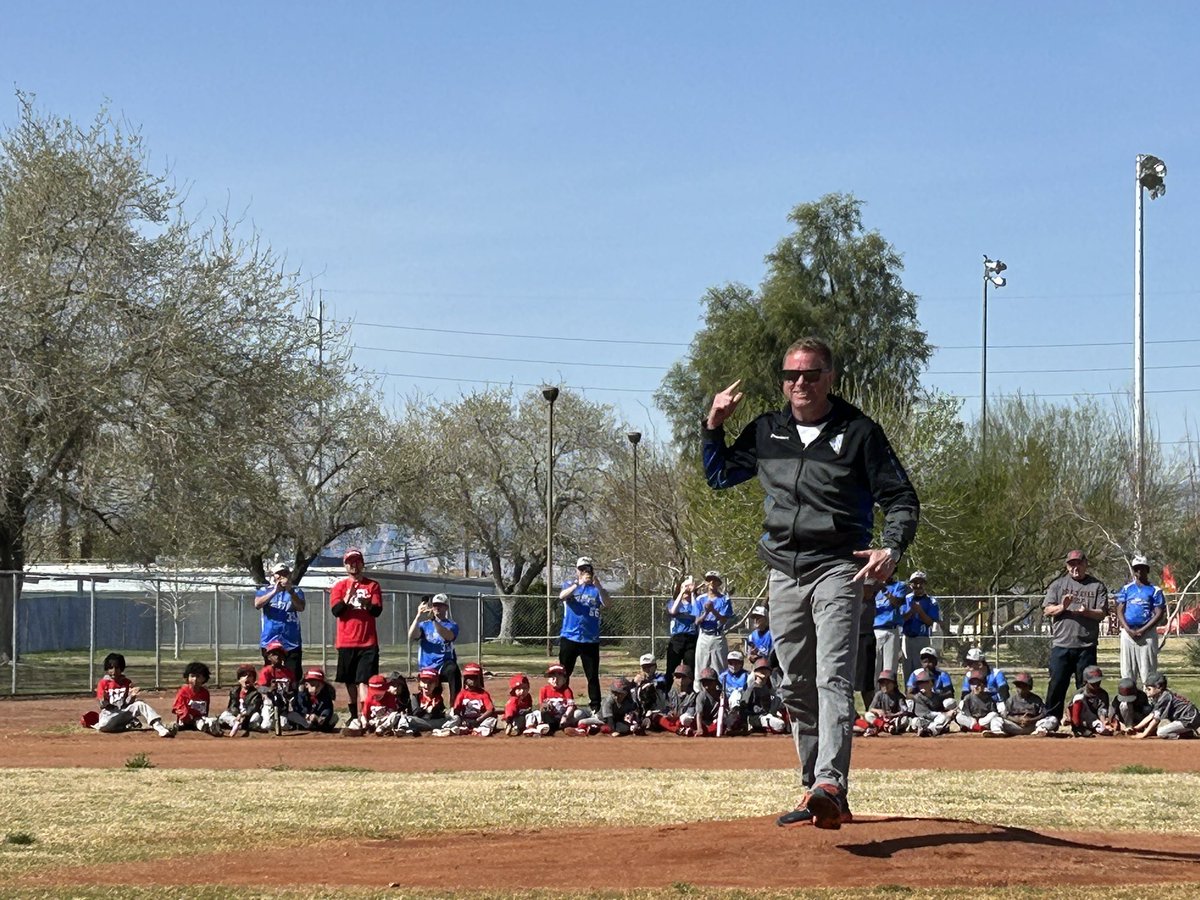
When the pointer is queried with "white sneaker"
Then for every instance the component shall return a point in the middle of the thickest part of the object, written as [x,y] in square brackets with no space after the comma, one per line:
[543,729]
[442,732]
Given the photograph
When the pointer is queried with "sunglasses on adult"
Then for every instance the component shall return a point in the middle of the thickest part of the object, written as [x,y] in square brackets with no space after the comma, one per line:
[806,375]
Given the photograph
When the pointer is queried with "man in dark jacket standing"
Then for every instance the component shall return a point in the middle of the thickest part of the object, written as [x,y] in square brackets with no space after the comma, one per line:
[824,466]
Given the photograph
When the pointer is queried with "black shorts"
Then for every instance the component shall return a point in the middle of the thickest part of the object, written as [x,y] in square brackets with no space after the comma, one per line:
[356,665]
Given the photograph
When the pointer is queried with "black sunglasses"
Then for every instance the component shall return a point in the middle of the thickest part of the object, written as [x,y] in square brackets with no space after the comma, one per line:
[807,375]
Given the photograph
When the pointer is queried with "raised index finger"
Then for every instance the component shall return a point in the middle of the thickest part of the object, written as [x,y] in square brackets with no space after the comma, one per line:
[729,390]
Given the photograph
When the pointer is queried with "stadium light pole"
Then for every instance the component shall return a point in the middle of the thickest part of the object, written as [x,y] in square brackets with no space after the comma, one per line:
[635,438]
[1150,176]
[991,276]
[551,394]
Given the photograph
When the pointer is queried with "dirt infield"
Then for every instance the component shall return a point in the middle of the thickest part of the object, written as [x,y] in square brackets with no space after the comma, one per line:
[39,733]
[746,853]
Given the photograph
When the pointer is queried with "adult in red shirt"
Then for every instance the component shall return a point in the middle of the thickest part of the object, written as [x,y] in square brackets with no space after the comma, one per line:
[356,602]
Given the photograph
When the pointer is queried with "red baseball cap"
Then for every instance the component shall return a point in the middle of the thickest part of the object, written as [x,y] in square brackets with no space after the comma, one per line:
[1076,556]
[352,553]
[314,675]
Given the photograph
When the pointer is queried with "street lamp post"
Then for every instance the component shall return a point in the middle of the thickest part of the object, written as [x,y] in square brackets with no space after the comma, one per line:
[991,275]
[551,394]
[634,438]
[1150,175]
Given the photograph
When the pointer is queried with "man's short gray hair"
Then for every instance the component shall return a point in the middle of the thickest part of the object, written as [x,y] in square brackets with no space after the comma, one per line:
[812,345]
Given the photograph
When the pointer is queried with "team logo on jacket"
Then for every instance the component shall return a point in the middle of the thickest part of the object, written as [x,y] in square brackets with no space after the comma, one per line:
[836,441]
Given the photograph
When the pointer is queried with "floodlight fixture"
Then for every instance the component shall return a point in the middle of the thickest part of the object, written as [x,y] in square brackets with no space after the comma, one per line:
[1152,175]
[998,280]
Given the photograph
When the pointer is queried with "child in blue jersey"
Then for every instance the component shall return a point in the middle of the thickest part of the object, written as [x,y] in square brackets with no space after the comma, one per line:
[583,598]
[994,681]
[735,682]
[681,649]
[1140,609]
[759,642]
[436,633]
[939,681]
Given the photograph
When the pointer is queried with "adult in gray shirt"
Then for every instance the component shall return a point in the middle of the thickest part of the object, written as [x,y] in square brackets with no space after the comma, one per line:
[1075,603]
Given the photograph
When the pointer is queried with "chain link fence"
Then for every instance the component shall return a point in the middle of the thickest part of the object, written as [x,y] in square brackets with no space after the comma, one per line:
[63,626]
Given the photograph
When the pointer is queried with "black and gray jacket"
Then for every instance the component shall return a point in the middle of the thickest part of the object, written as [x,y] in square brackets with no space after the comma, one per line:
[820,499]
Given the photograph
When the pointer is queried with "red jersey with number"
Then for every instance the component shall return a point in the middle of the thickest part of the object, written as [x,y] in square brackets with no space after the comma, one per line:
[281,679]
[555,700]
[518,705]
[191,703]
[473,704]
[355,624]
[379,704]
[113,690]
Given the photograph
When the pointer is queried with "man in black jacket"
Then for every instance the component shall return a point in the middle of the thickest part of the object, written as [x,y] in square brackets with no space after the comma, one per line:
[824,466]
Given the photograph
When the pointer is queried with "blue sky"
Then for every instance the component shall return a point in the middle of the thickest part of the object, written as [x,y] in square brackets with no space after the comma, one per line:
[562,172]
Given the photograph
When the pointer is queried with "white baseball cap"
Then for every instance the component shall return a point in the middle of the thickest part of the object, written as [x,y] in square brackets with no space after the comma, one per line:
[646,660]
[758,611]
[1139,561]
[280,567]
[928,651]
[917,576]
[735,654]
[440,600]
[975,654]
[583,561]
[712,573]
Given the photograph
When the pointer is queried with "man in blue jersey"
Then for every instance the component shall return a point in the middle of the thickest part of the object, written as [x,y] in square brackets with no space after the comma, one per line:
[281,603]
[579,640]
[919,614]
[437,632]
[1140,609]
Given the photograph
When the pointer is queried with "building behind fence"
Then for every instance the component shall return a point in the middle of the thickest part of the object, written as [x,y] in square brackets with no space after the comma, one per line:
[65,624]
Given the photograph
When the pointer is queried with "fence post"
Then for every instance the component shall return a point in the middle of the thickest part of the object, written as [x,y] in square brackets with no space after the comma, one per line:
[216,632]
[92,634]
[996,625]
[324,629]
[408,657]
[158,632]
[15,585]
[654,628]
[548,614]
[479,628]
[392,594]
[241,609]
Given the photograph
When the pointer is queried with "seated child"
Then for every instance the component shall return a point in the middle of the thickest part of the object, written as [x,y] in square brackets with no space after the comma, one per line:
[734,682]
[312,708]
[933,711]
[680,710]
[1173,715]
[1025,712]
[649,672]
[380,711]
[978,708]
[763,705]
[709,711]
[618,713]
[1132,706]
[278,685]
[244,713]
[556,701]
[192,700]
[888,712]
[473,711]
[427,710]
[519,717]
[1088,713]
[120,708]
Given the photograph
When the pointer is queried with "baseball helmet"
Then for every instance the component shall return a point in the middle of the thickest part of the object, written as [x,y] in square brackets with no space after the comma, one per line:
[246,669]
[708,673]
[555,669]
[429,675]
[315,675]
[377,681]
[472,669]
[273,646]
[1023,678]
[517,681]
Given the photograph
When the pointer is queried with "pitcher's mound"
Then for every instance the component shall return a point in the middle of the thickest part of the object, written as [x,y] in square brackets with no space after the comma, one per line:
[747,853]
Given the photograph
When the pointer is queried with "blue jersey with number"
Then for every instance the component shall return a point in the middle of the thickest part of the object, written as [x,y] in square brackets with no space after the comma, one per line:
[684,619]
[435,651]
[1140,601]
[913,626]
[761,641]
[708,621]
[941,682]
[279,621]
[581,614]
[886,615]
[734,681]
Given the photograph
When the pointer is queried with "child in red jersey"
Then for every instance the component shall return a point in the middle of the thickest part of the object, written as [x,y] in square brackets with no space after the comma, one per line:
[356,601]
[191,703]
[473,711]
[120,709]
[278,682]
[380,711]
[556,701]
[519,717]
[244,713]
[427,710]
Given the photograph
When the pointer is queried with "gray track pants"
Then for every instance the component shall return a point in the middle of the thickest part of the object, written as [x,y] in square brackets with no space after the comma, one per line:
[814,619]
[1139,657]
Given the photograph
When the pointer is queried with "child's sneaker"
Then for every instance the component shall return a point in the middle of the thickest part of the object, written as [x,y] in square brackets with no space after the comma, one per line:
[511,729]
